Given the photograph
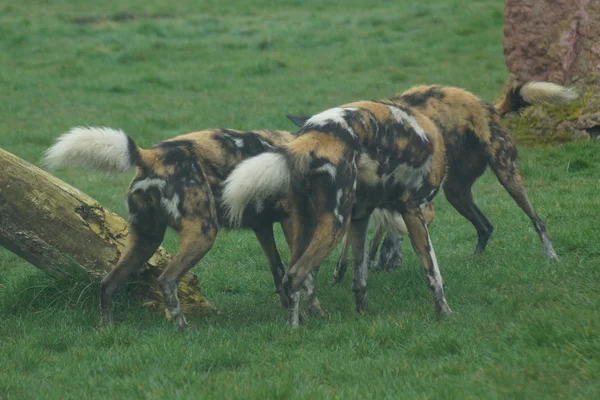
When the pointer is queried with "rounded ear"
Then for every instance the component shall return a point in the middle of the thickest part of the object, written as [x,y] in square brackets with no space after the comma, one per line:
[298,120]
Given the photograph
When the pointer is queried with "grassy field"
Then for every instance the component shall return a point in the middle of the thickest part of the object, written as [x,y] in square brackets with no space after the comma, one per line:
[523,327]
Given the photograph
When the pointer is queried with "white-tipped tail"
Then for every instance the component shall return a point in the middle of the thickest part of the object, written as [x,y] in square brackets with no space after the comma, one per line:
[388,221]
[547,92]
[254,179]
[95,148]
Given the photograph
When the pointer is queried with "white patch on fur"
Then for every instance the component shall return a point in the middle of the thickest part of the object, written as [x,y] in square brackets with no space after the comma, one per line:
[547,92]
[148,183]
[171,206]
[328,168]
[96,148]
[336,115]
[338,199]
[438,282]
[402,117]
[431,195]
[254,179]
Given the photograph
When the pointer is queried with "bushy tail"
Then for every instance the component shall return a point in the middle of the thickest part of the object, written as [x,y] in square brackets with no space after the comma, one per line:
[254,180]
[531,93]
[94,148]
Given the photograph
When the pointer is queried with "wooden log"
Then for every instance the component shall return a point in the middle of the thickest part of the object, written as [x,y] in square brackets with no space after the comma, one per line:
[63,231]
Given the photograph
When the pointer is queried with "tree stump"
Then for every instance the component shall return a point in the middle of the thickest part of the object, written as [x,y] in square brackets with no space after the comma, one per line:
[64,232]
[556,41]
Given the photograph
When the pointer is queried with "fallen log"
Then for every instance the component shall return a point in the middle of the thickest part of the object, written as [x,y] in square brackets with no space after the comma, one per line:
[63,231]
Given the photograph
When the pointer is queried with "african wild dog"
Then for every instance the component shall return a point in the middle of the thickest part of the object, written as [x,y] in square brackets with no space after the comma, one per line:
[177,184]
[470,129]
[386,223]
[392,154]
[346,162]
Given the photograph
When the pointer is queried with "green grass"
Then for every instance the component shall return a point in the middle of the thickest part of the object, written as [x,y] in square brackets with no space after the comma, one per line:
[523,328]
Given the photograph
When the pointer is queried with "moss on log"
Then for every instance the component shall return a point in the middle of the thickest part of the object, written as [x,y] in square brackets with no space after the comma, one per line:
[63,231]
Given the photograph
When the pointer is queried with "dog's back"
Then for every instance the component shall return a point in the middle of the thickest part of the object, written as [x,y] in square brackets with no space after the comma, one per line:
[189,170]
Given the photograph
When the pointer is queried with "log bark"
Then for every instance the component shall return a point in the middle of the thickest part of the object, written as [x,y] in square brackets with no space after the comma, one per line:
[64,232]
[557,41]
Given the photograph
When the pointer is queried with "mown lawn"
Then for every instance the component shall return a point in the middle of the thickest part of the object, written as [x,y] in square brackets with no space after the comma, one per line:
[523,327]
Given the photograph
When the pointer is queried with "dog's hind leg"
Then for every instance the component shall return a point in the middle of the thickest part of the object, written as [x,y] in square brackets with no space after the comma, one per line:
[342,263]
[267,243]
[502,154]
[320,244]
[357,235]
[458,192]
[196,239]
[309,285]
[419,238]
